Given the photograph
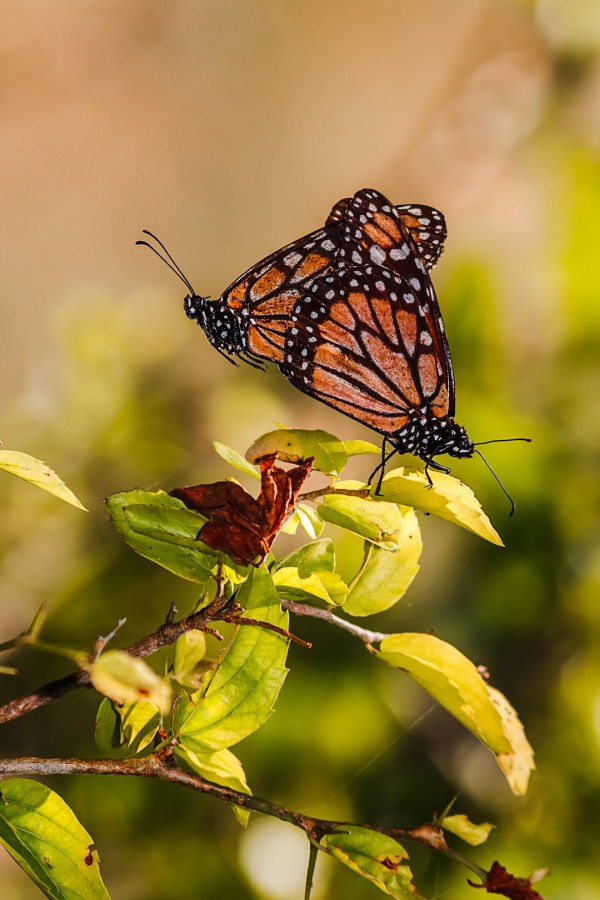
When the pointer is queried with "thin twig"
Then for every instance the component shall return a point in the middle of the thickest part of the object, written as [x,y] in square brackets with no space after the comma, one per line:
[243,620]
[164,768]
[365,493]
[103,640]
[303,609]
[168,634]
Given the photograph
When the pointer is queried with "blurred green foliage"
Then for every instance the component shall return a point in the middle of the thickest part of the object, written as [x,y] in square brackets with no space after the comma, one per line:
[137,408]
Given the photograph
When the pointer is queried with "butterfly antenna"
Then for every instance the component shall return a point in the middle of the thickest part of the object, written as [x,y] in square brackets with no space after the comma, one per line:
[168,259]
[501,441]
[504,491]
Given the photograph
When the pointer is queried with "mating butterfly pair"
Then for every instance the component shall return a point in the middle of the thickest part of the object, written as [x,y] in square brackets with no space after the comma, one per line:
[350,316]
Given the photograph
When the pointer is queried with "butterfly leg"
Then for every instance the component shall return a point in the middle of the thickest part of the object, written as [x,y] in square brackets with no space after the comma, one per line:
[385,457]
[431,463]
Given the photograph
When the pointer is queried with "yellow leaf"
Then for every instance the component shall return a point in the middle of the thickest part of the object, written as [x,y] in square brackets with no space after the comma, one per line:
[446,497]
[469,832]
[122,677]
[36,472]
[385,575]
[518,764]
[296,444]
[451,679]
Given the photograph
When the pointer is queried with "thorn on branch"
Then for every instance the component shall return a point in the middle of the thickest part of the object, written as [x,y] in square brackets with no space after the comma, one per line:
[170,617]
[101,642]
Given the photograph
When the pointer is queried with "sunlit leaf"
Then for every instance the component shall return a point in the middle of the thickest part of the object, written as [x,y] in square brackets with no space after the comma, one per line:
[518,763]
[236,460]
[327,586]
[247,678]
[374,856]
[291,524]
[190,650]
[127,727]
[357,448]
[139,723]
[44,837]
[295,444]
[107,732]
[385,575]
[447,497]
[467,831]
[222,767]
[38,473]
[124,678]
[316,557]
[162,529]
[309,520]
[377,521]
[451,679]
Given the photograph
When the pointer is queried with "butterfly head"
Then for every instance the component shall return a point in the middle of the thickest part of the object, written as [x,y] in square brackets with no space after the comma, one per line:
[195,308]
[449,438]
[427,436]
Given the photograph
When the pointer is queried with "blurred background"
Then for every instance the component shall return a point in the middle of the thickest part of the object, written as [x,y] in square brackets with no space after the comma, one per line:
[229,129]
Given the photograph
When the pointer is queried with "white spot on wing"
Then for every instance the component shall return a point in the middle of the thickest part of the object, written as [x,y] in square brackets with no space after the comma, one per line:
[292,259]
[377,254]
[399,252]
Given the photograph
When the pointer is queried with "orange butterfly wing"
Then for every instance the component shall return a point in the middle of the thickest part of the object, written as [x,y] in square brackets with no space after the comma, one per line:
[362,343]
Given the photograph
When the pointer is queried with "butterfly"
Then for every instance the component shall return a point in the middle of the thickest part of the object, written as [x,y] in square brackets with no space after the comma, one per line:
[350,316]
[368,338]
[252,316]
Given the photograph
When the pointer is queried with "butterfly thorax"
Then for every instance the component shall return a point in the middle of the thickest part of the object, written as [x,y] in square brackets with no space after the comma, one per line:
[221,325]
[427,436]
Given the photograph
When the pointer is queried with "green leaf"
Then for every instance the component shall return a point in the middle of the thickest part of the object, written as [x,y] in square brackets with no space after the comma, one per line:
[358,448]
[447,497]
[42,834]
[36,472]
[140,721]
[190,650]
[129,727]
[385,575]
[162,529]
[294,445]
[8,670]
[377,521]
[467,831]
[247,678]
[518,763]
[327,586]
[309,520]
[124,678]
[222,767]
[451,679]
[375,857]
[107,733]
[316,557]
[236,460]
